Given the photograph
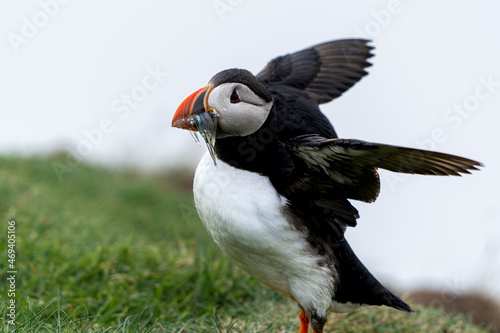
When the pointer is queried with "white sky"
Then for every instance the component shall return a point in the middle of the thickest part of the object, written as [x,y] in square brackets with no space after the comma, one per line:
[73,73]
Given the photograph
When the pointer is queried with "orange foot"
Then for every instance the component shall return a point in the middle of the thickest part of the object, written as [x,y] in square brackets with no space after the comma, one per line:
[304,322]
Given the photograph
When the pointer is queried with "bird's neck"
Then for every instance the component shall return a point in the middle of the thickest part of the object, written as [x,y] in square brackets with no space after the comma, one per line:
[260,152]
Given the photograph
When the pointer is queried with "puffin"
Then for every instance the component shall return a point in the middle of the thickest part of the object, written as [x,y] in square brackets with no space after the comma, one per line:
[274,189]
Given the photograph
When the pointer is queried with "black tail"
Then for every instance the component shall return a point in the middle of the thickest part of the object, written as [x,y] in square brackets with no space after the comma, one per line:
[358,285]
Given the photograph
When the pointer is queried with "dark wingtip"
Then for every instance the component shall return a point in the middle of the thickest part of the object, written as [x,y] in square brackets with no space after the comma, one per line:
[397,303]
[405,308]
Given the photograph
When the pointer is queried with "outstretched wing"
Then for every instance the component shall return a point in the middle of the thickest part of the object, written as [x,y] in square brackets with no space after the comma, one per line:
[327,170]
[324,71]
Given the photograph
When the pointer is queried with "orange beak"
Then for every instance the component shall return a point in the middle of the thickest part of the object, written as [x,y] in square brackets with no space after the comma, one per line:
[193,105]
[195,115]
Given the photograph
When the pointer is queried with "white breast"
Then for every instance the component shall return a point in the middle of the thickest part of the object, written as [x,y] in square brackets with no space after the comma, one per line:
[244,214]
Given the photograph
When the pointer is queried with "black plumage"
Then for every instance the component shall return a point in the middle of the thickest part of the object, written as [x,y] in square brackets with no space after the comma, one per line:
[317,172]
[298,150]
[323,71]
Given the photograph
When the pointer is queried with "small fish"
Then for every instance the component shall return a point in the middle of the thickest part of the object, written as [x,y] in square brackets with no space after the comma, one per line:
[206,123]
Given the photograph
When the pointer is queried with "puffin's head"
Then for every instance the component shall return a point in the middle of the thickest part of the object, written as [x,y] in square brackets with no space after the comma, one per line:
[234,103]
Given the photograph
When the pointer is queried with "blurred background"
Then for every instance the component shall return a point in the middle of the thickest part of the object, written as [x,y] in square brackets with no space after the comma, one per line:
[102,80]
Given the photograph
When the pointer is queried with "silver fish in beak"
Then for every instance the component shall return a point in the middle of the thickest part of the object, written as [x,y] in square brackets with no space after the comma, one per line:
[194,115]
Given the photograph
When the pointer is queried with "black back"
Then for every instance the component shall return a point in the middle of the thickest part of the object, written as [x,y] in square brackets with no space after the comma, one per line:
[297,84]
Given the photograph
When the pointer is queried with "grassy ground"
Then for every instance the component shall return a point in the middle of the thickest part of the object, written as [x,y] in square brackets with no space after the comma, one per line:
[119,251]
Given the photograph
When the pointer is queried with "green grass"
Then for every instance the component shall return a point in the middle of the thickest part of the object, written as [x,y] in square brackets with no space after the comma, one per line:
[107,251]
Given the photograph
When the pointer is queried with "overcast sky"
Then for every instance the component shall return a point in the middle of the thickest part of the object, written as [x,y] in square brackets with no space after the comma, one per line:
[103,80]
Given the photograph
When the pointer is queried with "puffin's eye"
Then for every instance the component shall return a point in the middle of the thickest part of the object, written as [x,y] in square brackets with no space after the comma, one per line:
[234,97]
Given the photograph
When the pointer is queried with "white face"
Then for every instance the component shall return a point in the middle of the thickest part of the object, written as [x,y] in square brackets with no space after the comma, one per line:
[241,111]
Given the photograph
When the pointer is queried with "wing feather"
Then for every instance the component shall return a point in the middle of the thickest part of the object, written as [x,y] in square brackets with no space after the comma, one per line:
[348,163]
[328,172]
[324,71]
